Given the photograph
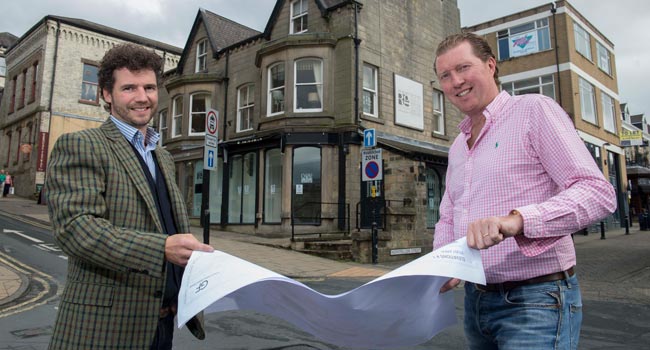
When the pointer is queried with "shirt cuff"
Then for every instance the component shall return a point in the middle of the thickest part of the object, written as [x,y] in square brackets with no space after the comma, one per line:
[531,242]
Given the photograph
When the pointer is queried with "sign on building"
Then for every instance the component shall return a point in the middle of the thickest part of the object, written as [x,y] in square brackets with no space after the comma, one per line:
[631,138]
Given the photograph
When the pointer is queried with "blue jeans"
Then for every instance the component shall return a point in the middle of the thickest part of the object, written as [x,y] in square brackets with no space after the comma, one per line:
[538,316]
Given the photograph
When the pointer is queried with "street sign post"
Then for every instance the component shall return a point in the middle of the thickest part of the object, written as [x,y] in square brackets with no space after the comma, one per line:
[209,164]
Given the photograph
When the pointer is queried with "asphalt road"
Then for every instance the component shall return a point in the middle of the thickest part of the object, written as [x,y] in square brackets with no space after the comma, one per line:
[614,275]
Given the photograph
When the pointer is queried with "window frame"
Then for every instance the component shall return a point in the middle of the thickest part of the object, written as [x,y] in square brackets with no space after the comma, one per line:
[177,116]
[316,83]
[32,96]
[270,213]
[537,26]
[582,38]
[201,56]
[84,83]
[23,90]
[3,66]
[607,65]
[250,107]
[12,103]
[374,92]
[208,106]
[270,90]
[163,126]
[303,15]
[583,86]
[608,105]
[510,86]
[438,129]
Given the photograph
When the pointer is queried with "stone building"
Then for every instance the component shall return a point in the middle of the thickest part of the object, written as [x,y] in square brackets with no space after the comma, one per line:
[554,50]
[51,89]
[6,40]
[293,102]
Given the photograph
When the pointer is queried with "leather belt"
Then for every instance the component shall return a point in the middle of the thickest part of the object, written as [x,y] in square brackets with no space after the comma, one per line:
[167,310]
[505,286]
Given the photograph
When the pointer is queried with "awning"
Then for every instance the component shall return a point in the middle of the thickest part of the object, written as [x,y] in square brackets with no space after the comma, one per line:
[414,148]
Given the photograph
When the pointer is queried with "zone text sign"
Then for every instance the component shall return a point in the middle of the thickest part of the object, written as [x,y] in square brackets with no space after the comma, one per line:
[371,164]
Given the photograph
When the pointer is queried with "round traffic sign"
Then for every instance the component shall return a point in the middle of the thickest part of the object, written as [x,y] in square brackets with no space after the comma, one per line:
[212,123]
[372,169]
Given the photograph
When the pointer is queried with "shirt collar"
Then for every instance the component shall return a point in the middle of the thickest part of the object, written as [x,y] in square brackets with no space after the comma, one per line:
[132,134]
[491,112]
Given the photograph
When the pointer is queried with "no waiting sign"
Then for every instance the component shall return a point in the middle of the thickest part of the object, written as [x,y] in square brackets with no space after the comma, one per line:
[371,164]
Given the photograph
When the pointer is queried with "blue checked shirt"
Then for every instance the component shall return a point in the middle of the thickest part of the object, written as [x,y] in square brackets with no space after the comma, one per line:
[134,136]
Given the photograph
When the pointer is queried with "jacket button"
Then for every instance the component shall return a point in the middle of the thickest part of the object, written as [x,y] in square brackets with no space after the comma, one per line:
[157,294]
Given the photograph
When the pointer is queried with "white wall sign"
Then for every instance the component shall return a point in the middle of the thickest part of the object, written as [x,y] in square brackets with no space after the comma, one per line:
[523,44]
[409,109]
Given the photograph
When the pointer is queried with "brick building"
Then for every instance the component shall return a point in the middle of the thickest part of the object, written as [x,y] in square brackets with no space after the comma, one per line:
[293,102]
[51,89]
[554,50]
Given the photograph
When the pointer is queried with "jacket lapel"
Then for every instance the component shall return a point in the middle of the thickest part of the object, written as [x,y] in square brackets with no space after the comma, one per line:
[131,166]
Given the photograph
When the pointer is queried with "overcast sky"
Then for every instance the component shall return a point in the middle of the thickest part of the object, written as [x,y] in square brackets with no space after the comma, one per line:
[624,22]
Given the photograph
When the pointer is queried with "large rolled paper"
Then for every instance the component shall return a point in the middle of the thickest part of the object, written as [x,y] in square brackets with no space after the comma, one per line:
[401,308]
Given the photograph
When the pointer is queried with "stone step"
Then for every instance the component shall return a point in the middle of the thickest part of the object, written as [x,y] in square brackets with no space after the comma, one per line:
[333,255]
[339,245]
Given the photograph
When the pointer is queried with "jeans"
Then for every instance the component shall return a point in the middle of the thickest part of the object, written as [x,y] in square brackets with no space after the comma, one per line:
[538,316]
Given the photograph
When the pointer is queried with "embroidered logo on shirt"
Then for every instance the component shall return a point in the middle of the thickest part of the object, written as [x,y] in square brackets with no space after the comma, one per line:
[496,145]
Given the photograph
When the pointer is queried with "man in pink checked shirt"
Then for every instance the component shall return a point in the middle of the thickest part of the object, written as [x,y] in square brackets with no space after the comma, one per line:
[519,182]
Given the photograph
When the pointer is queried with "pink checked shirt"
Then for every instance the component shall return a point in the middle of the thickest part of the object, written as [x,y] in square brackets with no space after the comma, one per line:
[528,157]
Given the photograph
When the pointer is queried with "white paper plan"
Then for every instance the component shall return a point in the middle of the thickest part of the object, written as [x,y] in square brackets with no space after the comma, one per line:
[401,308]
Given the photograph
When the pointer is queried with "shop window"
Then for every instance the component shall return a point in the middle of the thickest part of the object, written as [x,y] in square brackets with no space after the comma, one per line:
[306,181]
[242,196]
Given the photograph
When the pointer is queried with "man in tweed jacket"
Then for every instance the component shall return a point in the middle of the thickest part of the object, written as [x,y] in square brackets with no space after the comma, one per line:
[107,218]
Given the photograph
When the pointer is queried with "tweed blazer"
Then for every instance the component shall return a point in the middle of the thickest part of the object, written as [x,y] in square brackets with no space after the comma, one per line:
[105,219]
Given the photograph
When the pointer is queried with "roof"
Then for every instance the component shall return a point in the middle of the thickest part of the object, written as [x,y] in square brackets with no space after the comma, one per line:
[325,6]
[7,39]
[99,28]
[222,33]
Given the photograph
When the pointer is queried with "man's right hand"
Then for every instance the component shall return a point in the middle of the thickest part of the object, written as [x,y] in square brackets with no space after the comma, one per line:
[179,248]
[451,284]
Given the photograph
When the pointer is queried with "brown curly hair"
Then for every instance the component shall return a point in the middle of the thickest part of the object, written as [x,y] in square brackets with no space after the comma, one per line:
[130,56]
[480,48]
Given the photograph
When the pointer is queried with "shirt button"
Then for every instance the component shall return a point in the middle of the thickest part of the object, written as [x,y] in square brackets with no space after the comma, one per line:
[464,211]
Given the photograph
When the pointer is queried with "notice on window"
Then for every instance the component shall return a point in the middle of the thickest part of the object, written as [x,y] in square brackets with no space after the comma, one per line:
[401,308]
[299,189]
